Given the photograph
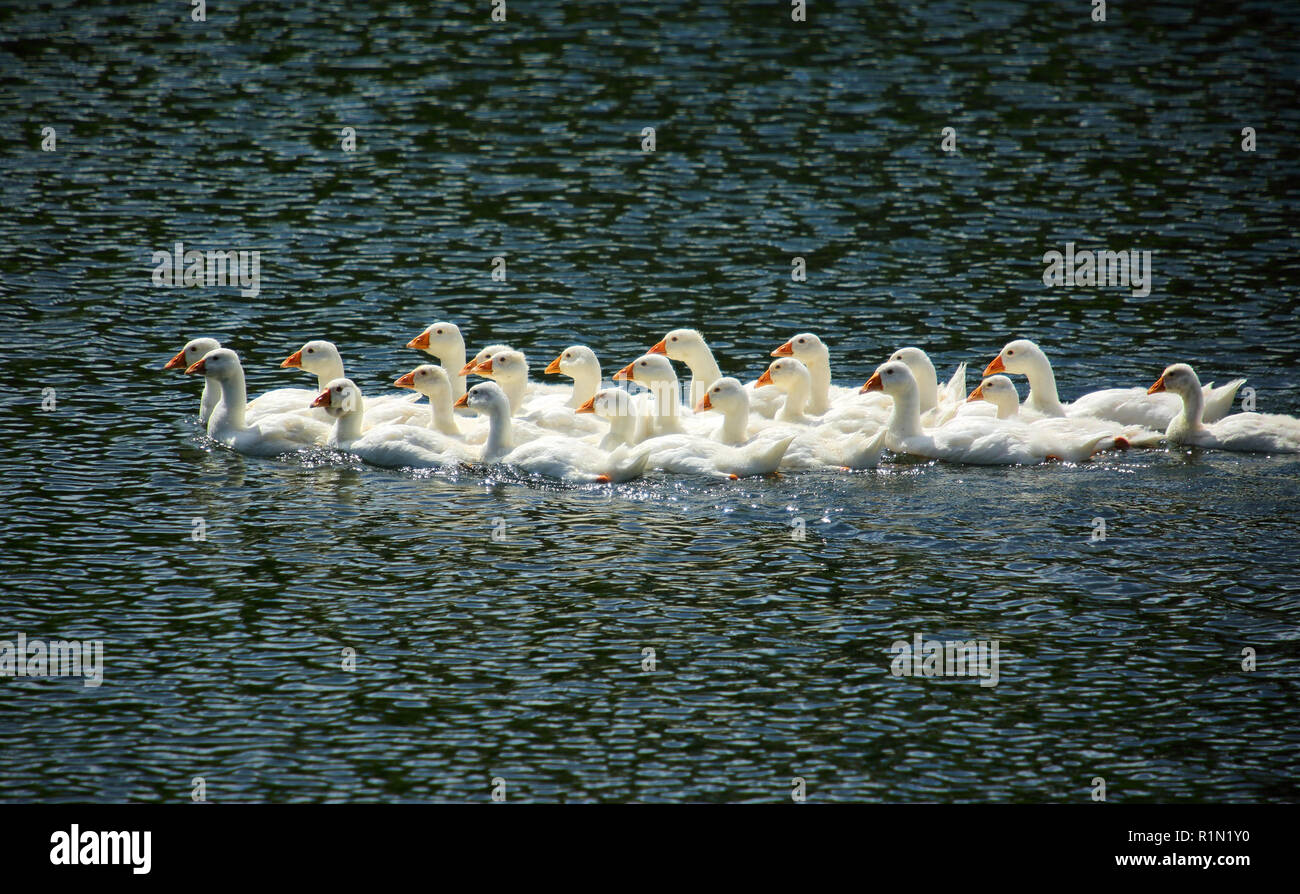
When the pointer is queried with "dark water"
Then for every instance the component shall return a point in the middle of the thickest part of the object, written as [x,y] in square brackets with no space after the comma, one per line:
[521,659]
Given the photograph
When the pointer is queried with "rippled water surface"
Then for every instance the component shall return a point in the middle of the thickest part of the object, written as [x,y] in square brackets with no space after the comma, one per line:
[522,658]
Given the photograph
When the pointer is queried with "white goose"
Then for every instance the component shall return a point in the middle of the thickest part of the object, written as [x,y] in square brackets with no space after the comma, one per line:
[688,346]
[480,358]
[189,355]
[664,411]
[977,440]
[815,446]
[444,341]
[998,393]
[812,352]
[552,455]
[509,369]
[1242,432]
[938,404]
[1127,406]
[579,363]
[434,383]
[390,445]
[269,435]
[794,380]
[277,400]
[686,454]
[322,359]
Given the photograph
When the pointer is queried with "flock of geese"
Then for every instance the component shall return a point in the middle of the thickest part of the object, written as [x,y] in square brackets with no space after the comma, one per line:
[792,418]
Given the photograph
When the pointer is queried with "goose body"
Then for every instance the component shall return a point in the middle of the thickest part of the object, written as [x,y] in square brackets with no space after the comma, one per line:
[975,440]
[999,393]
[390,445]
[554,456]
[1241,432]
[268,435]
[692,454]
[815,445]
[1127,406]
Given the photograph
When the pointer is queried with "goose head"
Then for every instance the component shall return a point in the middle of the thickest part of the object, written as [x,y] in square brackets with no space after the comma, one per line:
[893,378]
[786,374]
[320,358]
[648,370]
[727,396]
[917,361]
[504,366]
[805,347]
[221,365]
[574,362]
[430,380]
[1179,379]
[1020,357]
[481,357]
[682,345]
[609,403]
[440,339]
[485,398]
[192,353]
[341,397]
[1001,392]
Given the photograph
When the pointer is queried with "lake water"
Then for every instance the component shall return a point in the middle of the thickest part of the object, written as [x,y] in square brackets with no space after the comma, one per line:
[521,658]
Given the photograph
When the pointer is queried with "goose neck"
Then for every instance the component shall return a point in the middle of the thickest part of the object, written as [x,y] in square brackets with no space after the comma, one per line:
[905,420]
[819,398]
[586,383]
[1042,388]
[229,411]
[499,440]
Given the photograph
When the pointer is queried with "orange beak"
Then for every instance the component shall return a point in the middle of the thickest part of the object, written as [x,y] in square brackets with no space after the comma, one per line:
[1158,386]
[765,378]
[463,401]
[588,407]
[977,394]
[873,384]
[625,374]
[786,350]
[421,341]
[467,369]
[197,368]
[293,360]
[554,366]
[177,362]
[406,381]
[484,368]
[661,348]
[704,404]
[995,366]
[322,399]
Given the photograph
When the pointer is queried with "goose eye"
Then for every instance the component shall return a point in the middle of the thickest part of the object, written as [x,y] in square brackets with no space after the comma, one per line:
[674,338]
[311,350]
[439,332]
[1009,353]
[802,340]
